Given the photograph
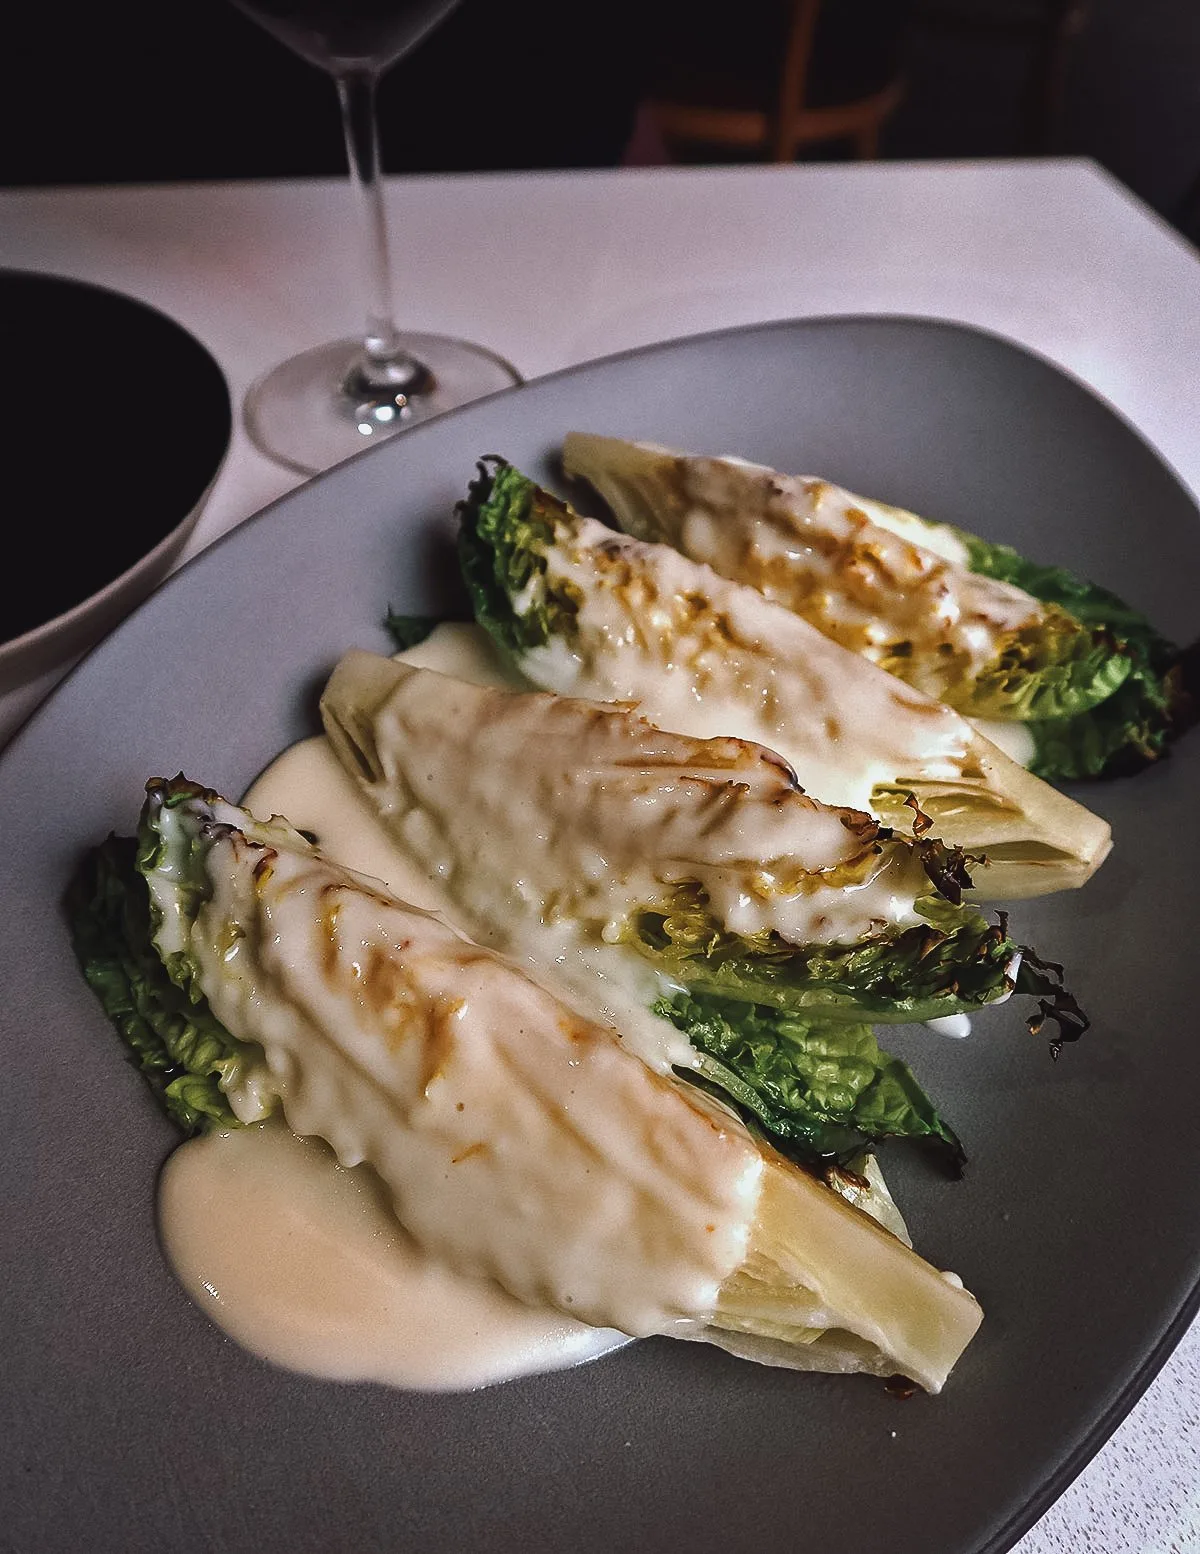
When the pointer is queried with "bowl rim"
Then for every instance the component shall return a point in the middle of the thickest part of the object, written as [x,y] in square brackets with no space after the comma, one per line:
[73,624]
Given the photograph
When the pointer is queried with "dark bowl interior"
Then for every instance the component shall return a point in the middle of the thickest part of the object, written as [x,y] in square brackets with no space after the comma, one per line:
[113,423]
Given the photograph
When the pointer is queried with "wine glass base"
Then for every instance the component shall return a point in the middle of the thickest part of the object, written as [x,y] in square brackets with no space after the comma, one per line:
[301,414]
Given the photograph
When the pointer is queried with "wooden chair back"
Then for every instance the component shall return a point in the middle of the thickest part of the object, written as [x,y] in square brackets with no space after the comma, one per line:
[784,120]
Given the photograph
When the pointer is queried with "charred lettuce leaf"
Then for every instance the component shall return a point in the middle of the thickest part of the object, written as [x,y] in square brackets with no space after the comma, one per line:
[1054,669]
[1155,702]
[850,567]
[953,963]
[972,624]
[180,1046]
[956,962]
[702,855]
[506,522]
[820,1093]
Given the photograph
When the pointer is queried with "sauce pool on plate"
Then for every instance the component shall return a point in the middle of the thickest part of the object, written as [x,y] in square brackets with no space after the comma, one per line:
[303,1263]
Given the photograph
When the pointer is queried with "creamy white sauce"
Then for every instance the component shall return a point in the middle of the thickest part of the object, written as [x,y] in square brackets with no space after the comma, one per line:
[465,650]
[940,538]
[517,1138]
[412,1319]
[308,785]
[542,811]
[304,1263]
[1014,738]
[738,665]
[955,1025]
[873,577]
[937,537]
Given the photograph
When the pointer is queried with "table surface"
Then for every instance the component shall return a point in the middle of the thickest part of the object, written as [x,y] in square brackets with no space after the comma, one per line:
[551,269]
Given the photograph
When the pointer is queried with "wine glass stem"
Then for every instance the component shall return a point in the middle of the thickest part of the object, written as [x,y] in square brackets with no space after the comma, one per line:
[384,364]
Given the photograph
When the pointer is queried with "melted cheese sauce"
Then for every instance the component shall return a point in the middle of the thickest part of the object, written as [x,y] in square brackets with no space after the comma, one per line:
[310,787]
[1014,738]
[465,650]
[603,814]
[303,1263]
[871,577]
[300,1259]
[703,656]
[866,574]
[516,1136]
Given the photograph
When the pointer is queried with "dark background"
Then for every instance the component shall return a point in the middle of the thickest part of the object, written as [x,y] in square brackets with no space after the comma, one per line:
[143,92]
[150,89]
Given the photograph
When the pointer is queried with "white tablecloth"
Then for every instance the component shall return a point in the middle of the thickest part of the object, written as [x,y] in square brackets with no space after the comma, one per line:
[551,269]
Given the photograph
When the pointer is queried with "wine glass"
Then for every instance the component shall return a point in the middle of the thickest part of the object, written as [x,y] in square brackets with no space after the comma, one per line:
[316,409]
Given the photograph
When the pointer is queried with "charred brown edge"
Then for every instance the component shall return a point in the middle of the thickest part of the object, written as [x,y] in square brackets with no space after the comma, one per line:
[945,867]
[921,821]
[1060,1006]
[948,868]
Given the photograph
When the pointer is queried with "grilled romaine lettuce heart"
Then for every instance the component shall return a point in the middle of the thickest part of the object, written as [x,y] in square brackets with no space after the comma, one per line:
[517,1138]
[969,622]
[583,610]
[183,1049]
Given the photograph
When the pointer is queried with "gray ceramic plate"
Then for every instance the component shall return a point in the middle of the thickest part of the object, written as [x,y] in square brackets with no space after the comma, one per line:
[131,1424]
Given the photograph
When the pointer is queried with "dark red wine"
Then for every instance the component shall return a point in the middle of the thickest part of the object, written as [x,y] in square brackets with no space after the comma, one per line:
[346,34]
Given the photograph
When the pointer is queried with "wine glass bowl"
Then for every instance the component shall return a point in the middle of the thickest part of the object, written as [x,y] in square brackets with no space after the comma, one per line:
[326,403]
[336,35]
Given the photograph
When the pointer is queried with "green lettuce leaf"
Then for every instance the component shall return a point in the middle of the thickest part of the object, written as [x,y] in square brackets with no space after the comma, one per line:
[820,1093]
[506,522]
[952,964]
[408,630]
[1054,669]
[182,1049]
[1101,691]
[956,962]
[1155,701]
[1087,602]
